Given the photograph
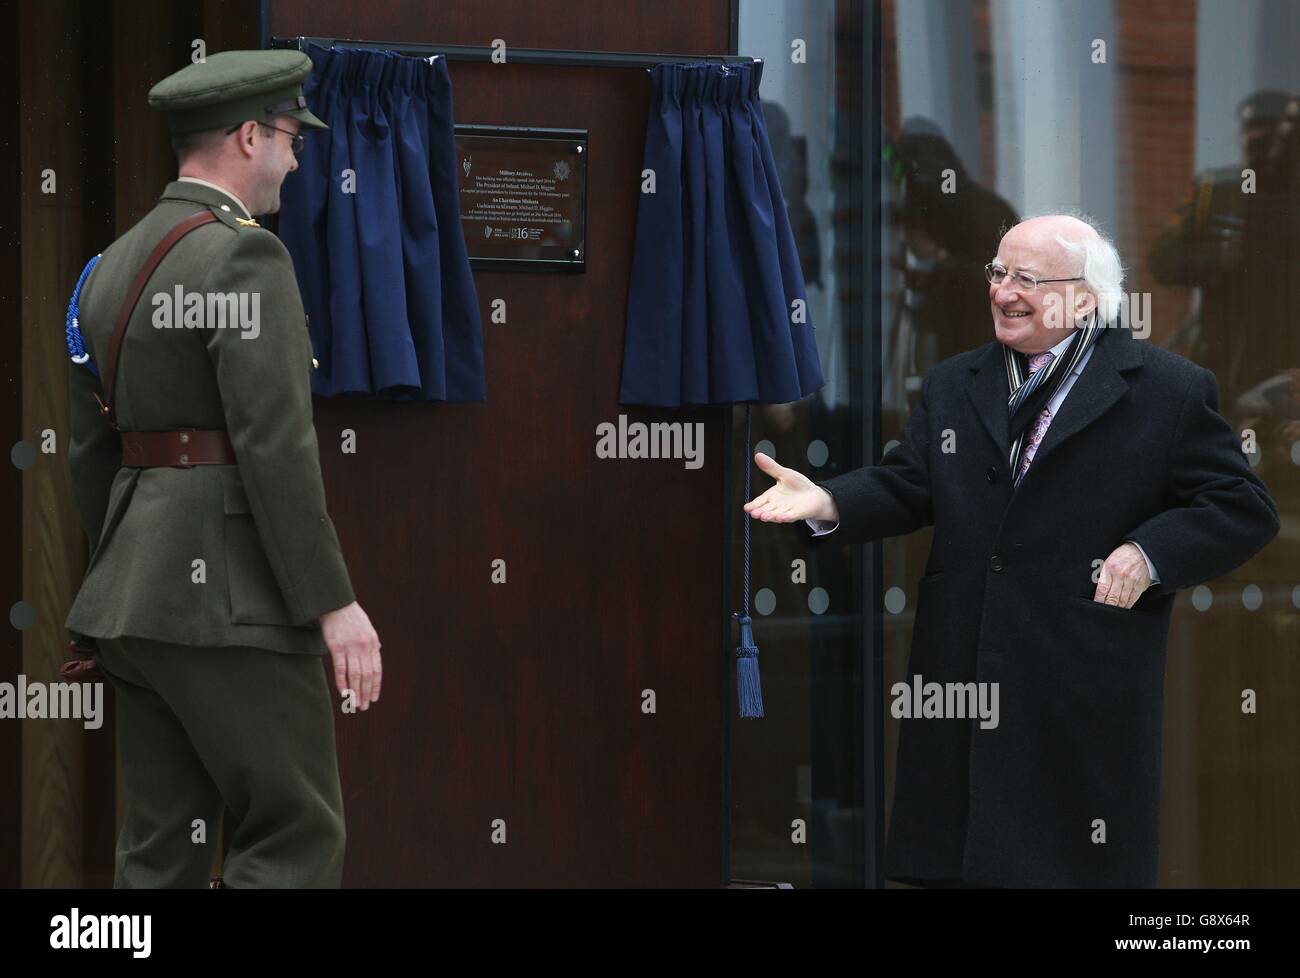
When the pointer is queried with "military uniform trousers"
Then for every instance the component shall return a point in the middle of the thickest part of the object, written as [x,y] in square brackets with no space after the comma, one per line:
[249,729]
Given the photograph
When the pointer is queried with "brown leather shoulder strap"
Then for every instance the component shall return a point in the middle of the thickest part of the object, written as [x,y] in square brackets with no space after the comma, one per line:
[133,297]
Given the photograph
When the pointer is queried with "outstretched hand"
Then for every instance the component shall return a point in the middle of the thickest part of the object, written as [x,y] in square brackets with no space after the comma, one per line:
[794,497]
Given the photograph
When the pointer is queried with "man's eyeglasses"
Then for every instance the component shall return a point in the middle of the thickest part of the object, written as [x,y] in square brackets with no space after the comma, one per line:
[299,140]
[995,273]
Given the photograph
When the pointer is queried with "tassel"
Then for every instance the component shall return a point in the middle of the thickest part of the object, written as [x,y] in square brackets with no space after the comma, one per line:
[749,688]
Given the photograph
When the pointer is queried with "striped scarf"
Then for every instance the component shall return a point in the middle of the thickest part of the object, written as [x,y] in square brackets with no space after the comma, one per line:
[1030,393]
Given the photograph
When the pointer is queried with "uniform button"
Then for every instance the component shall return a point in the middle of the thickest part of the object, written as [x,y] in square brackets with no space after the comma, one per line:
[991,474]
[225,207]
[995,562]
[314,363]
[185,459]
[185,439]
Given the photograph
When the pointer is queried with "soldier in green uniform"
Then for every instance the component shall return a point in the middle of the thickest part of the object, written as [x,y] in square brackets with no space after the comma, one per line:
[215,583]
[1205,246]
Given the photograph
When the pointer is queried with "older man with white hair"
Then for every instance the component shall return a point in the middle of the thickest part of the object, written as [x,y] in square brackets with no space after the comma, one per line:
[1075,477]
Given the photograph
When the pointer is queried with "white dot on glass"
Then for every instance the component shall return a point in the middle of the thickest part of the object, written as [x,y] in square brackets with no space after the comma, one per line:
[1295,453]
[1202,597]
[1252,597]
[890,446]
[767,448]
[22,455]
[1295,595]
[895,600]
[818,600]
[818,453]
[765,601]
[22,615]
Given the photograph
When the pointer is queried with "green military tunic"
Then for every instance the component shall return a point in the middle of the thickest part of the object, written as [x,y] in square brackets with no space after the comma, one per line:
[271,559]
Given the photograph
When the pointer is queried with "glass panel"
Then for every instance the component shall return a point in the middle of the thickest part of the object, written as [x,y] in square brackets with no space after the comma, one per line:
[1175,133]
[797,775]
[1168,125]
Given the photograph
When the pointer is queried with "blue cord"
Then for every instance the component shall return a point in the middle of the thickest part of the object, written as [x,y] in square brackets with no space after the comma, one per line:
[748,684]
[72,328]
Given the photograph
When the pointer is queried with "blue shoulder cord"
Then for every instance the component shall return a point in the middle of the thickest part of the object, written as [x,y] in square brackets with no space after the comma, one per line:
[77,349]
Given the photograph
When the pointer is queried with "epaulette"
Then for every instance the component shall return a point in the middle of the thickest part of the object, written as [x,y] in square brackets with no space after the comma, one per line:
[226,215]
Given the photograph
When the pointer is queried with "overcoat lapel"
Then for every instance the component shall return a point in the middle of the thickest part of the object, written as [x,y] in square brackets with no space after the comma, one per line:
[1095,391]
[988,392]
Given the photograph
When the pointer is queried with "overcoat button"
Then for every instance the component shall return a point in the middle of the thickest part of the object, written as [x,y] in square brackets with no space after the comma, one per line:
[314,363]
[995,562]
[185,439]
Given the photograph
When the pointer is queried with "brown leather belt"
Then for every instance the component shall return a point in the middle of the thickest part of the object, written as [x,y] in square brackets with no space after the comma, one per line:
[185,447]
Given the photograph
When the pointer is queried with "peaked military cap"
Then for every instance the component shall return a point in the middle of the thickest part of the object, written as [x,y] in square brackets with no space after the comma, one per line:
[1266,106]
[231,87]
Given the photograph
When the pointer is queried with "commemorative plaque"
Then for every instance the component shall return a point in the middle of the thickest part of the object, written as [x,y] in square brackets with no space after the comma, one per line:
[523,197]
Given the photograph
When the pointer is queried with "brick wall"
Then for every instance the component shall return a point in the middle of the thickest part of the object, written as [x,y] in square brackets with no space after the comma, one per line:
[1157,113]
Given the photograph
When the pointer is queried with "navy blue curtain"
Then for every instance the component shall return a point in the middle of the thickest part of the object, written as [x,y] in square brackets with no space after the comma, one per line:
[712,315]
[383,270]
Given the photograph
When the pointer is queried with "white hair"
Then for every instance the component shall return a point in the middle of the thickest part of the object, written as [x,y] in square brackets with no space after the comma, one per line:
[1102,271]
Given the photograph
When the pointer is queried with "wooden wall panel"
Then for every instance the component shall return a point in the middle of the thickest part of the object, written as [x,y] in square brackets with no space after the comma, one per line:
[11,500]
[52,542]
[522,701]
[666,27]
[157,36]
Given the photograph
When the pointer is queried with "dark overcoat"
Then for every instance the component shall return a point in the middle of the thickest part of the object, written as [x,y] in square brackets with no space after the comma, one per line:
[1065,790]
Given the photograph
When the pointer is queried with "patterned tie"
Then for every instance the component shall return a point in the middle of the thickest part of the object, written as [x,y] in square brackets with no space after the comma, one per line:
[1036,363]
